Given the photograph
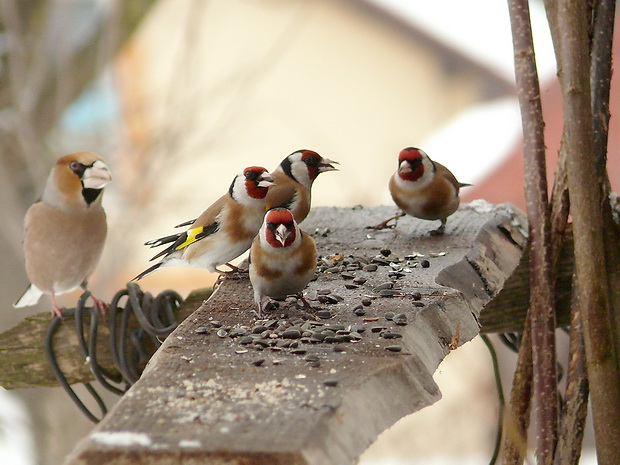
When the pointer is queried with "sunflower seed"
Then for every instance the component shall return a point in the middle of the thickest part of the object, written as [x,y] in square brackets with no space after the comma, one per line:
[400,319]
[291,334]
[324,314]
[380,287]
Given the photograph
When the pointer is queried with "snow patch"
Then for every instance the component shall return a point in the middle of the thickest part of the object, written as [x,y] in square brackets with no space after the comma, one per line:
[122,438]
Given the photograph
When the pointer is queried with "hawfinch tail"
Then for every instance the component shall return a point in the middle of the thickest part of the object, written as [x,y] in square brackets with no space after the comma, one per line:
[65,229]
[223,231]
[282,258]
[293,180]
[423,188]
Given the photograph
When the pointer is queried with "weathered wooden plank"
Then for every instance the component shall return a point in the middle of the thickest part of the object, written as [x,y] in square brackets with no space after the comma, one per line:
[203,399]
[23,362]
[506,312]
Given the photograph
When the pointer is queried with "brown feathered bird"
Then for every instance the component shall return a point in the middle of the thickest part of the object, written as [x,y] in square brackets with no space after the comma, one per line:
[423,188]
[223,231]
[65,230]
[293,180]
[282,259]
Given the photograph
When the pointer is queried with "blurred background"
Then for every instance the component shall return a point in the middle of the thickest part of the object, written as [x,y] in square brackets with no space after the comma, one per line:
[178,96]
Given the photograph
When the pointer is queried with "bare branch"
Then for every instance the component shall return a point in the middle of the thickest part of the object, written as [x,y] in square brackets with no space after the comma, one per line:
[541,298]
[586,200]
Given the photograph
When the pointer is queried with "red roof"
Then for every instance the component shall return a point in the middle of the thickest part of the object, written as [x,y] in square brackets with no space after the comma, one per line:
[505,184]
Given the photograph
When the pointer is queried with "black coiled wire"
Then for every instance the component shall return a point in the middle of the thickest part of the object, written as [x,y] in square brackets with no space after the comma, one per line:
[129,347]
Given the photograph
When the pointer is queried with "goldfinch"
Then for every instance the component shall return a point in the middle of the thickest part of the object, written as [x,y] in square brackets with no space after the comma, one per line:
[65,230]
[423,188]
[223,231]
[282,259]
[293,180]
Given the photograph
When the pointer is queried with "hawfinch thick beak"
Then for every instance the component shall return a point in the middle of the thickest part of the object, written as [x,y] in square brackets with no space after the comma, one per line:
[96,176]
[281,234]
[265,180]
[327,165]
[405,167]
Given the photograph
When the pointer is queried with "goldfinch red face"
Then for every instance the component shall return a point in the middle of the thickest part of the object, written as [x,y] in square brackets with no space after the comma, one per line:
[280,228]
[257,181]
[316,164]
[411,164]
[304,166]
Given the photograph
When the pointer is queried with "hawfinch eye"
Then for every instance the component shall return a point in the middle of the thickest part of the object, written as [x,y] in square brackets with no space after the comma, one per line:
[74,166]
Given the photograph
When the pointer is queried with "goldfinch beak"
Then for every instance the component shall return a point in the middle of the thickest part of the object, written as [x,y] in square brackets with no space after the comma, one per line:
[96,176]
[405,167]
[265,180]
[327,165]
[281,234]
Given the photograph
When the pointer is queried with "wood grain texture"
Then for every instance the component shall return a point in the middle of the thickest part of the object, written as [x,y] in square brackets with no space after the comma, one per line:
[201,400]
[23,363]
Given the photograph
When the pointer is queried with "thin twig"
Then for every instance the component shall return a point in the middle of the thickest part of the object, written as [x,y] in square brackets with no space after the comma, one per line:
[572,427]
[541,296]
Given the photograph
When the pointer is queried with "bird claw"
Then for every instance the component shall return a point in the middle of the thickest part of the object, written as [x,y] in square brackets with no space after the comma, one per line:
[234,273]
[100,305]
[384,224]
[57,312]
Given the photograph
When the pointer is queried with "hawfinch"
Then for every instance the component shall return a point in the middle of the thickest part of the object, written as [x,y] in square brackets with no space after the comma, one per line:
[282,258]
[423,188]
[293,180]
[65,229]
[223,231]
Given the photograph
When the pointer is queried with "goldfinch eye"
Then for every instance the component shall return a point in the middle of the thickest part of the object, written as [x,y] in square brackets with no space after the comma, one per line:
[312,161]
[251,175]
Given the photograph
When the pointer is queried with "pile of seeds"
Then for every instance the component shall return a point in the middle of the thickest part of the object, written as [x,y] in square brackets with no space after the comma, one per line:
[296,335]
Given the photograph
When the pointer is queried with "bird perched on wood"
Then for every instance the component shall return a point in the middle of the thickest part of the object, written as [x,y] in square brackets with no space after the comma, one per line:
[282,259]
[65,230]
[223,231]
[423,188]
[293,180]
